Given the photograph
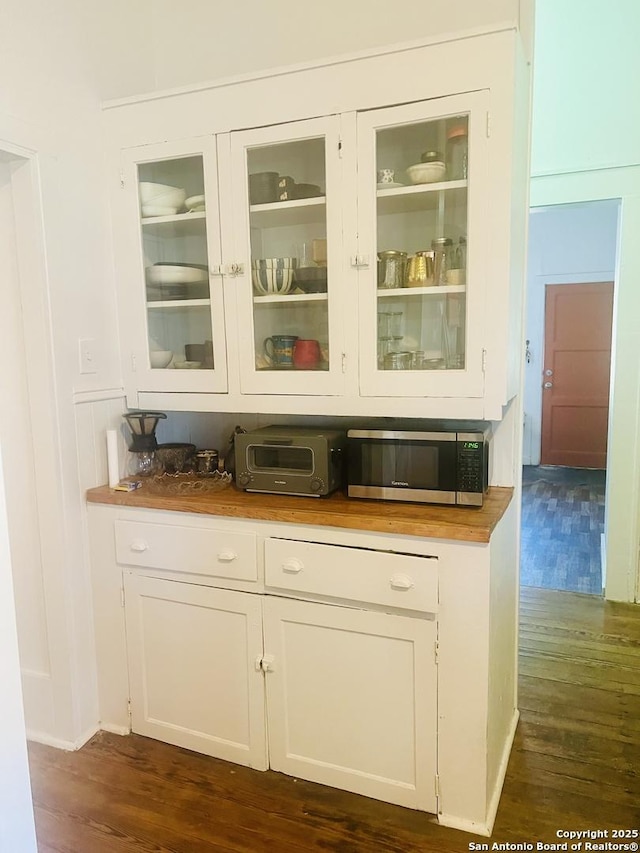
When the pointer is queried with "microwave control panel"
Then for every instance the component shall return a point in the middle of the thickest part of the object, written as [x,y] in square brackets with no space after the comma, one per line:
[471,459]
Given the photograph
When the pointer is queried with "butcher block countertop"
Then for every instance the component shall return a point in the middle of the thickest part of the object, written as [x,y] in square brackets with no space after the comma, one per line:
[465,524]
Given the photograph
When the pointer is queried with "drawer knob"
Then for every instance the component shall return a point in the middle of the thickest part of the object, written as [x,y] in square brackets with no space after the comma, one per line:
[227,556]
[401,582]
[139,546]
[292,567]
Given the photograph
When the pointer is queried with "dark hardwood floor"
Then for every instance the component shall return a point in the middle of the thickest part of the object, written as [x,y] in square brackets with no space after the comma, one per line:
[575,766]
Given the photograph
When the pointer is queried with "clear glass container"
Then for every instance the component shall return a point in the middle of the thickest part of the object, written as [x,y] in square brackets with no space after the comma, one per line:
[457,151]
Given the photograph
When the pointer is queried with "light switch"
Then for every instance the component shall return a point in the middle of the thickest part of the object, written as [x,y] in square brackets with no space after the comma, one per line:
[87,355]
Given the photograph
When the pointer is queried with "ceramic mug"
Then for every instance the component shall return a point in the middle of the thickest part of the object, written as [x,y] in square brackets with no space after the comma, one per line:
[306,354]
[279,349]
[385,176]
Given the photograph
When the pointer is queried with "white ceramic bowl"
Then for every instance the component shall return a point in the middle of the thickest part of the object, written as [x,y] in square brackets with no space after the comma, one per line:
[272,281]
[160,358]
[154,196]
[169,274]
[150,191]
[427,173]
[188,365]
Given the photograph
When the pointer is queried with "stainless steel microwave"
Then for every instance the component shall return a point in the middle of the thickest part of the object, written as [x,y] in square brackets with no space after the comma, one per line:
[444,465]
[290,460]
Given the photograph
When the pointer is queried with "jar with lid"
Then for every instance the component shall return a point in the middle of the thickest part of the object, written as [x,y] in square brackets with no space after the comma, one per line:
[442,250]
[457,153]
[391,268]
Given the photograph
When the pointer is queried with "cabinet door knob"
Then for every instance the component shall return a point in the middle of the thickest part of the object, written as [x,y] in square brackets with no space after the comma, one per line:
[227,556]
[401,582]
[139,546]
[292,566]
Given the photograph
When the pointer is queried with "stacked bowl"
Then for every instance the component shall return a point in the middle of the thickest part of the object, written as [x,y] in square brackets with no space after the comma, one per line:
[272,275]
[160,199]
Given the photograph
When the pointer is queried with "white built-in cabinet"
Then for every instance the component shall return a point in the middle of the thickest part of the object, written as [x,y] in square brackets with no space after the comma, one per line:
[212,321]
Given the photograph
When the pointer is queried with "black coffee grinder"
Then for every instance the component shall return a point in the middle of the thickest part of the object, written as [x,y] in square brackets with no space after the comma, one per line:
[143,446]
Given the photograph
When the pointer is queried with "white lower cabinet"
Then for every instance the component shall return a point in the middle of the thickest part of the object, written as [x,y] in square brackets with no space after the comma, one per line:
[351,699]
[194,667]
[347,696]
[383,665]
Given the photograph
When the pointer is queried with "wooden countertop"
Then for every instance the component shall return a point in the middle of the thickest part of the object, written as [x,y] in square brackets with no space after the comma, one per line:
[393,517]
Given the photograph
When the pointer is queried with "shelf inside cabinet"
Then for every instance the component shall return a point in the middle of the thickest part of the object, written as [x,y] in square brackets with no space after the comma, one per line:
[179,303]
[288,298]
[180,224]
[418,196]
[405,292]
[296,212]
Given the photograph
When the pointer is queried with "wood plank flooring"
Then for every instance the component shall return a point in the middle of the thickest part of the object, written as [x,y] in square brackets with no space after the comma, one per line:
[575,766]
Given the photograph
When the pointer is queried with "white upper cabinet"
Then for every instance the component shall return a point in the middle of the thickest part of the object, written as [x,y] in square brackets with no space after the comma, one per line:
[355,251]
[422,196]
[172,311]
[287,251]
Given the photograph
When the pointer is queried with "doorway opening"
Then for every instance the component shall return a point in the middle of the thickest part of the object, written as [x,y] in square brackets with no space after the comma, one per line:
[570,283]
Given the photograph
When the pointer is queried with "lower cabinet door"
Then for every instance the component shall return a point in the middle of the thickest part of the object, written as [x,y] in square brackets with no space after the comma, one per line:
[194,671]
[351,699]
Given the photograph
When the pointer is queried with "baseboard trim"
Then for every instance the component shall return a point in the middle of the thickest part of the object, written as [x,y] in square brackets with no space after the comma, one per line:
[114,730]
[59,743]
[492,811]
[454,822]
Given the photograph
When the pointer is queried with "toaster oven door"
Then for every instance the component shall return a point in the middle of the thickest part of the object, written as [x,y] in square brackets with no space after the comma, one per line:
[276,458]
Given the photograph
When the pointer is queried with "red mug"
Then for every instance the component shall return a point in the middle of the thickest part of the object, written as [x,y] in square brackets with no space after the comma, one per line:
[306,354]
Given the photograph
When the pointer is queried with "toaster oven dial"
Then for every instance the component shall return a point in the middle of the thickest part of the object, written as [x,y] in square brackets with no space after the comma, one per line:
[244,478]
[316,485]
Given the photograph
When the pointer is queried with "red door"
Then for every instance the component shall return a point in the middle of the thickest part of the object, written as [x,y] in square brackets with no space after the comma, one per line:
[577,361]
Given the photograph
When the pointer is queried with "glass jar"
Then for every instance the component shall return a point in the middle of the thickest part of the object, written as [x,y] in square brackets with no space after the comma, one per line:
[392,266]
[442,250]
[457,153]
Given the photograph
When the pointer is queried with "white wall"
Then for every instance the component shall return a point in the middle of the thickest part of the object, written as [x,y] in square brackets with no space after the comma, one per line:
[586,146]
[586,67]
[197,41]
[567,244]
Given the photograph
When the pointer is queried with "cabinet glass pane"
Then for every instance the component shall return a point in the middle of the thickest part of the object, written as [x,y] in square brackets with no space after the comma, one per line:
[288,233]
[174,242]
[421,190]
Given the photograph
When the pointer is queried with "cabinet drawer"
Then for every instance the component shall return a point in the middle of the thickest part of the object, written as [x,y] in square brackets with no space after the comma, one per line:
[193,550]
[357,574]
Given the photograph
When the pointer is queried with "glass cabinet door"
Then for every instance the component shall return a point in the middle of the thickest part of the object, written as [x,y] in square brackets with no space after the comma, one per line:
[288,248]
[422,185]
[180,333]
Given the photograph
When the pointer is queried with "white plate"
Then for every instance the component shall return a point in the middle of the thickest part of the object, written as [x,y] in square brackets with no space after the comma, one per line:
[392,186]
[168,274]
[195,201]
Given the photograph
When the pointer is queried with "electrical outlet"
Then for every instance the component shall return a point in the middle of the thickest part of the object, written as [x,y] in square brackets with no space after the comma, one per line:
[86,347]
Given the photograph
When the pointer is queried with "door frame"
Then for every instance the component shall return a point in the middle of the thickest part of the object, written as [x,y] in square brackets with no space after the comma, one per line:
[622,524]
[52,690]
